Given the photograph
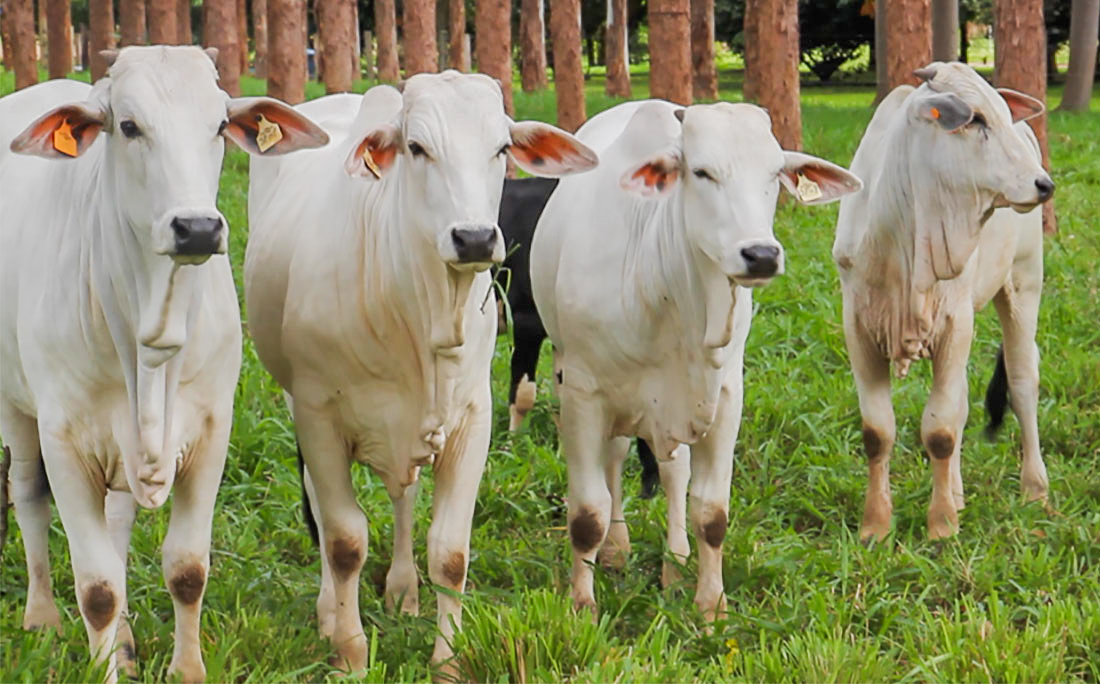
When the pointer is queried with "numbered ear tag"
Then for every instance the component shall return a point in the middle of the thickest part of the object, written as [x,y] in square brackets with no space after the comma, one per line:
[808,190]
[63,140]
[371,164]
[268,134]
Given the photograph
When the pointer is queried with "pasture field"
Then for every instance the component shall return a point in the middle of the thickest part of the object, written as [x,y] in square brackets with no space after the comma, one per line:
[1014,597]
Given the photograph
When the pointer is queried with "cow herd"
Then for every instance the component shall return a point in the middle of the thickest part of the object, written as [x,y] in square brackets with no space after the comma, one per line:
[367,280]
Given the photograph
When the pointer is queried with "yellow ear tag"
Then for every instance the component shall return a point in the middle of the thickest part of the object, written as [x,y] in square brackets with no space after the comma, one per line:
[268,134]
[808,190]
[371,164]
[63,140]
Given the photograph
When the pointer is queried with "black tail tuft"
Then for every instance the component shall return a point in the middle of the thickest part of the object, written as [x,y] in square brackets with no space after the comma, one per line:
[651,476]
[996,396]
[307,511]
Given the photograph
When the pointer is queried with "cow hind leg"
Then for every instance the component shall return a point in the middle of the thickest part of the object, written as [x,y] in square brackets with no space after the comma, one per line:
[616,546]
[675,476]
[402,584]
[527,340]
[326,596]
[120,510]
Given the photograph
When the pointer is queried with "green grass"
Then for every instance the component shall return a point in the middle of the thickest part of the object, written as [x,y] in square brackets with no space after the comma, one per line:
[1015,597]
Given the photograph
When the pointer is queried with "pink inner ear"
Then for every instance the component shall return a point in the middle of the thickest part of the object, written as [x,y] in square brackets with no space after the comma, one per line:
[655,176]
[537,148]
[1021,106]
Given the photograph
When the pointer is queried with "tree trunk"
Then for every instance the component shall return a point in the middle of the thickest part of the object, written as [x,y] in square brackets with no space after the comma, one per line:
[670,50]
[493,26]
[1019,42]
[6,35]
[242,35]
[220,31]
[183,22]
[778,69]
[101,30]
[259,36]
[162,22]
[131,22]
[385,24]
[945,30]
[704,72]
[751,86]
[19,20]
[1083,24]
[882,80]
[565,37]
[456,33]
[336,24]
[60,27]
[908,40]
[286,50]
[532,36]
[421,53]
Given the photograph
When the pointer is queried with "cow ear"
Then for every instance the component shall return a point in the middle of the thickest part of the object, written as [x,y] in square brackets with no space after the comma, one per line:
[262,125]
[1023,107]
[947,110]
[375,153]
[815,181]
[655,177]
[62,133]
[544,150]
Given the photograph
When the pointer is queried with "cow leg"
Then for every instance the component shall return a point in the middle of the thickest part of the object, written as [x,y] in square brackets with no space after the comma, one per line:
[402,584]
[675,475]
[527,337]
[342,527]
[1019,315]
[616,546]
[326,597]
[457,473]
[30,492]
[120,509]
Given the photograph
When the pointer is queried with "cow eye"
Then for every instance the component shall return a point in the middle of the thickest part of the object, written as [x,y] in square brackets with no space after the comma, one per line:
[222,126]
[703,173]
[416,150]
[129,129]
[979,120]
[503,151]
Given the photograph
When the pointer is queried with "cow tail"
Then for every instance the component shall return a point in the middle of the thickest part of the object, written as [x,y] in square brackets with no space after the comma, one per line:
[307,511]
[651,475]
[996,396]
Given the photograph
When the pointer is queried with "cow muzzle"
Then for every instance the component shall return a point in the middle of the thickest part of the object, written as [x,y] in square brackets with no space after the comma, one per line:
[472,246]
[758,263]
[190,237]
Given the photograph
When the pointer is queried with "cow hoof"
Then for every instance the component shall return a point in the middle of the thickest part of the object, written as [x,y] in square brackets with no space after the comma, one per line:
[351,654]
[1034,491]
[126,653]
[448,671]
[187,670]
[410,601]
[942,524]
[42,616]
[712,611]
[587,607]
[670,574]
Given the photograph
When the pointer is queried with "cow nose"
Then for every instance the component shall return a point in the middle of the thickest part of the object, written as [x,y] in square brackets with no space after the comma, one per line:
[197,236]
[1045,187]
[761,261]
[475,244]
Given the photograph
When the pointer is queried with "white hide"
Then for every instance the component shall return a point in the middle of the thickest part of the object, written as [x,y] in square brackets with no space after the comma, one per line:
[939,230]
[640,278]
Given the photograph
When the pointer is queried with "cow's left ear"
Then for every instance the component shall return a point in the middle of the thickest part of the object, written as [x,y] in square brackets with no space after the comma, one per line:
[262,125]
[654,177]
[544,150]
[813,180]
[62,133]
[1023,107]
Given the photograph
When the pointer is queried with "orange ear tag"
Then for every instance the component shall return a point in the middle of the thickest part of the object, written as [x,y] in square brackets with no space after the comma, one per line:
[268,133]
[935,113]
[63,140]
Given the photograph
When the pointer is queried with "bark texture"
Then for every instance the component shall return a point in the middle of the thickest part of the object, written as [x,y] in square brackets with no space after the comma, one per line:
[777,60]
[220,31]
[751,86]
[259,36]
[618,49]
[19,20]
[670,50]
[162,16]
[6,38]
[421,54]
[532,37]
[945,30]
[882,81]
[565,36]
[286,50]
[908,40]
[131,22]
[456,34]
[336,24]
[59,25]
[493,23]
[101,30]
[704,72]
[242,34]
[385,24]
[1083,25]
[1019,62]
[183,22]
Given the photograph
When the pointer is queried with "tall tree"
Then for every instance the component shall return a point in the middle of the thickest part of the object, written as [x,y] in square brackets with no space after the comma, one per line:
[59,24]
[882,81]
[286,50]
[618,49]
[242,34]
[162,22]
[777,60]
[259,36]
[565,37]
[1083,25]
[1019,62]
[6,37]
[493,26]
[336,25]
[101,35]
[945,30]
[704,71]
[131,22]
[456,34]
[183,22]
[670,50]
[421,53]
[751,31]
[908,40]
[219,29]
[19,20]
[385,23]
[532,39]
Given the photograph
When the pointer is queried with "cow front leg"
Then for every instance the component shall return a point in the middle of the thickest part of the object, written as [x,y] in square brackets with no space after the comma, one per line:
[326,597]
[675,475]
[616,546]
[120,510]
[402,584]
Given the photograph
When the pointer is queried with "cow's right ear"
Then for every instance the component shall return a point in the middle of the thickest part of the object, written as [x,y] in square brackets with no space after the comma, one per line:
[62,133]
[375,153]
[946,109]
[653,178]
[268,127]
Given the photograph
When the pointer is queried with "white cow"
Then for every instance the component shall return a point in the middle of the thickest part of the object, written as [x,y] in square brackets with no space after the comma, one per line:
[369,301]
[642,271]
[120,333]
[940,229]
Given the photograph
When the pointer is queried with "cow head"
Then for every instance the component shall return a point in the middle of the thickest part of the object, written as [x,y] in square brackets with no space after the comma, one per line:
[448,148]
[165,121]
[729,169]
